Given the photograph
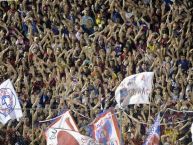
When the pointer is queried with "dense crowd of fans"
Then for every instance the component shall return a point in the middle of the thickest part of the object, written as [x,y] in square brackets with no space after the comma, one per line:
[72,54]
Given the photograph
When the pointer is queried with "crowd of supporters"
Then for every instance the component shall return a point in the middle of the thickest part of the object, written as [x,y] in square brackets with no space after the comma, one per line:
[72,54]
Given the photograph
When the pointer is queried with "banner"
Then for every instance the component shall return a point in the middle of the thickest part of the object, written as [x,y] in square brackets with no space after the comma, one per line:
[134,89]
[9,103]
[68,137]
[105,129]
[153,137]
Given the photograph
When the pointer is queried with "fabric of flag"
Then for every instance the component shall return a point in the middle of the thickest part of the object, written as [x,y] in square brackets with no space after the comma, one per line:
[105,129]
[68,137]
[153,137]
[134,89]
[64,121]
[9,103]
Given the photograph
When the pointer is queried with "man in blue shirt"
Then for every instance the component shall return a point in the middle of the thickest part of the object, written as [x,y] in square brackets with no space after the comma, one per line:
[183,63]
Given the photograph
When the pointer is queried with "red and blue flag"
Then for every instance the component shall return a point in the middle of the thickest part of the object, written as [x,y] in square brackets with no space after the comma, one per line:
[105,129]
[153,137]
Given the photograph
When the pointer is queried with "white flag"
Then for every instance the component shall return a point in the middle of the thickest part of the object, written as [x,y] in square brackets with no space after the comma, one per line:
[9,103]
[134,89]
[68,137]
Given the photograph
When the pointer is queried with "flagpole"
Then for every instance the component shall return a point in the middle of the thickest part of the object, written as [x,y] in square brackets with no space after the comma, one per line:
[120,118]
[150,106]
[149,109]
[32,126]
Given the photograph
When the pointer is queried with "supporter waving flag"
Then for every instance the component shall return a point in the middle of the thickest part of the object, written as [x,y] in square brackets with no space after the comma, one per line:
[9,103]
[153,137]
[134,89]
[105,129]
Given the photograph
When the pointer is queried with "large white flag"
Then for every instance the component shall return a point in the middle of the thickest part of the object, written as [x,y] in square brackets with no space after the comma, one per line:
[134,89]
[68,137]
[9,103]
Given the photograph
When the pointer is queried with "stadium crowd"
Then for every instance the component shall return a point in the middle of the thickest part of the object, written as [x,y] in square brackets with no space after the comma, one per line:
[72,54]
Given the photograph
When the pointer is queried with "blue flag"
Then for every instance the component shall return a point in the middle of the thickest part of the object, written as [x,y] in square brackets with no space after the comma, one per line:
[153,137]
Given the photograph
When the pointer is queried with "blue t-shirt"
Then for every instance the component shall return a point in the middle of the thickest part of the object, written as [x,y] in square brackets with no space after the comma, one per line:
[24,28]
[34,28]
[55,30]
[184,64]
[116,16]
[118,50]
[169,2]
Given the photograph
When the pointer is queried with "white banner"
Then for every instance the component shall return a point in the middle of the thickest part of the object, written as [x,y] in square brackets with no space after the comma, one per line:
[9,103]
[134,89]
